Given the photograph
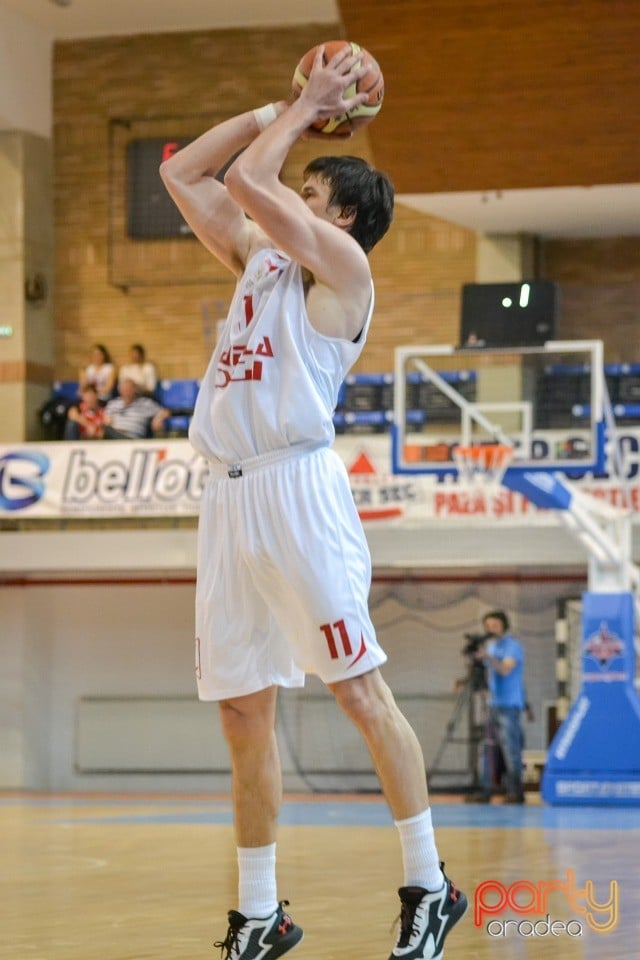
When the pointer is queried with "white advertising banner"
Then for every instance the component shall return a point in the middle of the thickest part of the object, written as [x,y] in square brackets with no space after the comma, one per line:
[97,479]
[164,478]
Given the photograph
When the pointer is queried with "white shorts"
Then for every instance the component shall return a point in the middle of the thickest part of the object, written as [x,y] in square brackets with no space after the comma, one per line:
[284,574]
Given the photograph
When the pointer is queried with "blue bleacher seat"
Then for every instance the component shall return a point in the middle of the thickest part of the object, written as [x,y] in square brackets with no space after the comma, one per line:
[630,411]
[356,420]
[622,411]
[365,400]
[67,389]
[179,397]
[582,411]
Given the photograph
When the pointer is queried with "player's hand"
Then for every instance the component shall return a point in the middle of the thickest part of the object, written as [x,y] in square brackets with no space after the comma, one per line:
[325,88]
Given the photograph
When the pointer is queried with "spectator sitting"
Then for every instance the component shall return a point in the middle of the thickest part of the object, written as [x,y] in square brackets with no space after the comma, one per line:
[140,370]
[132,416]
[101,372]
[84,419]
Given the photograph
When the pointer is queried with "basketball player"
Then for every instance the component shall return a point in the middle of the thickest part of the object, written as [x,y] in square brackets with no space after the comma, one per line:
[283,565]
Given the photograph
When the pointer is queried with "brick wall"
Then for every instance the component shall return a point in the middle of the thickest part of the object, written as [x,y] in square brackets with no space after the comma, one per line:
[600,291]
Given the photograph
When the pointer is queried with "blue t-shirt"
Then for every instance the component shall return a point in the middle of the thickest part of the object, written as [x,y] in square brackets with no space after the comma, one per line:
[506,691]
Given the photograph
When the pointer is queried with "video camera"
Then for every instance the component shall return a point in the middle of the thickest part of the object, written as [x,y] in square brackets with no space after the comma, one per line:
[477,671]
[474,642]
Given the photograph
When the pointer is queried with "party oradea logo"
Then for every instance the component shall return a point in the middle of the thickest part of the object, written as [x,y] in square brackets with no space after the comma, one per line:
[535,905]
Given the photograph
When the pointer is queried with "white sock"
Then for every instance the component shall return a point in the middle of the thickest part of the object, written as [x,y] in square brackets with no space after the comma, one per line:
[419,854]
[257,890]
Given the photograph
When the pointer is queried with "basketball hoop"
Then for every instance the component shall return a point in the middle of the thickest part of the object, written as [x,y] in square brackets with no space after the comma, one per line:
[483,464]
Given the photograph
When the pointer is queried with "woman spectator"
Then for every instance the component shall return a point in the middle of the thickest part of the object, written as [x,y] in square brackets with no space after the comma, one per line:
[140,370]
[101,372]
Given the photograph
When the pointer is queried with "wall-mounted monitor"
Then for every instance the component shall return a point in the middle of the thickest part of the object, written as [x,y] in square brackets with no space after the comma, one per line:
[509,314]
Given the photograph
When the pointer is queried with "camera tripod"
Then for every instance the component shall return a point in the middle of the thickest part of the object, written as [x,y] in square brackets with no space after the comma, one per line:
[465,726]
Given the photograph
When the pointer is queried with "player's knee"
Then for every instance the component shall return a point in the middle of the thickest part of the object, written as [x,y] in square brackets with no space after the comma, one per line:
[244,721]
[364,699]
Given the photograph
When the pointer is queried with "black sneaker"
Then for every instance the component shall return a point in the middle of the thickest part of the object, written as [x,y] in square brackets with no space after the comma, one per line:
[251,939]
[426,919]
[479,797]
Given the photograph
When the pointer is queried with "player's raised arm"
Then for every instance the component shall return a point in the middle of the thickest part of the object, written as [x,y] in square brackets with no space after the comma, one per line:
[190,178]
[302,231]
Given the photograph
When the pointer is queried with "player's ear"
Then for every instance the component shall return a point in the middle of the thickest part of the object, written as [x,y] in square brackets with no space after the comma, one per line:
[346,217]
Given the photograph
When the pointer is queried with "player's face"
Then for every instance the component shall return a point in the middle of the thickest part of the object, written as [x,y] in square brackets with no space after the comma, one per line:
[315,194]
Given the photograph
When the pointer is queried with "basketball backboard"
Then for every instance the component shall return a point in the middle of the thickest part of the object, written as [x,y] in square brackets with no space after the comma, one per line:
[545,401]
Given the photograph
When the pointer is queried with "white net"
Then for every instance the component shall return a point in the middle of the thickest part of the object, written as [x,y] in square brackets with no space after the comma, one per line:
[483,465]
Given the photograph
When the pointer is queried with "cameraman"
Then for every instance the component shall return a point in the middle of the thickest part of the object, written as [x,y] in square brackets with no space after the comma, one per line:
[503,658]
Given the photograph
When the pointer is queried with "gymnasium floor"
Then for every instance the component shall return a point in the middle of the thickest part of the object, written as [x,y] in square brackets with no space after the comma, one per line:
[137,877]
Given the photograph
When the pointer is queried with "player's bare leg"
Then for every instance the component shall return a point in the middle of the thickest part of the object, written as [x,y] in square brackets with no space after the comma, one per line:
[394,747]
[399,763]
[248,724]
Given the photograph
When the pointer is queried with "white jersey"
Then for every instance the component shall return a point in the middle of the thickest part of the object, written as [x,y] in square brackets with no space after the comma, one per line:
[273,379]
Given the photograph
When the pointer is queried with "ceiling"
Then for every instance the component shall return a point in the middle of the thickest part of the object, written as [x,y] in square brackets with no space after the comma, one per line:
[76,19]
[593,211]
[597,211]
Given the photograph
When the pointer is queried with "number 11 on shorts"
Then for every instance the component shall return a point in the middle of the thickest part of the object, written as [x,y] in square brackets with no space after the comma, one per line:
[332,632]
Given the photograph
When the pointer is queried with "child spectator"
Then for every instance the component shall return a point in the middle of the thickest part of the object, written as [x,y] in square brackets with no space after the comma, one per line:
[85,419]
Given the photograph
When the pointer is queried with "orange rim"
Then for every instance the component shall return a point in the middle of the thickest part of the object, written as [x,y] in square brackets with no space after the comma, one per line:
[494,453]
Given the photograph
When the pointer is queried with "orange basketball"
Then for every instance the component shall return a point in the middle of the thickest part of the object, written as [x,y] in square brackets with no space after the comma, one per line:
[372,84]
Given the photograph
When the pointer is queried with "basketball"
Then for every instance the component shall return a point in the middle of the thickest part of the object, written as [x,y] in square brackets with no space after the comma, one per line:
[372,84]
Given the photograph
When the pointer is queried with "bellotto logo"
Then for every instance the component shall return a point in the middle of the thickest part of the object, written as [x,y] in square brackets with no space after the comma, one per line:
[22,479]
[532,900]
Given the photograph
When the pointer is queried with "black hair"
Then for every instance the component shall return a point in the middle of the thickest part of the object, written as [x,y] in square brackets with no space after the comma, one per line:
[139,348]
[497,615]
[106,356]
[358,186]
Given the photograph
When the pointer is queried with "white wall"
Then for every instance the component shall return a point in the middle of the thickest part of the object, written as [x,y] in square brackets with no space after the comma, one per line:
[25,75]
[65,641]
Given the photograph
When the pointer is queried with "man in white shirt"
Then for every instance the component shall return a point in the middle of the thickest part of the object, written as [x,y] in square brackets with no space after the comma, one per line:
[132,416]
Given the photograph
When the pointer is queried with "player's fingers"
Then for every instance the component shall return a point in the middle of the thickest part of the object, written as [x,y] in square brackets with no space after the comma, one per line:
[352,102]
[351,66]
[353,77]
[361,72]
[318,60]
[342,56]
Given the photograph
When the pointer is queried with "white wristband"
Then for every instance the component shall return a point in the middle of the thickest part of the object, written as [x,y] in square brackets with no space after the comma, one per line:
[265,115]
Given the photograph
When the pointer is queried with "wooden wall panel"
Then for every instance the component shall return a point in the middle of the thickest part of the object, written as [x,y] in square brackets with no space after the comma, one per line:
[504,94]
